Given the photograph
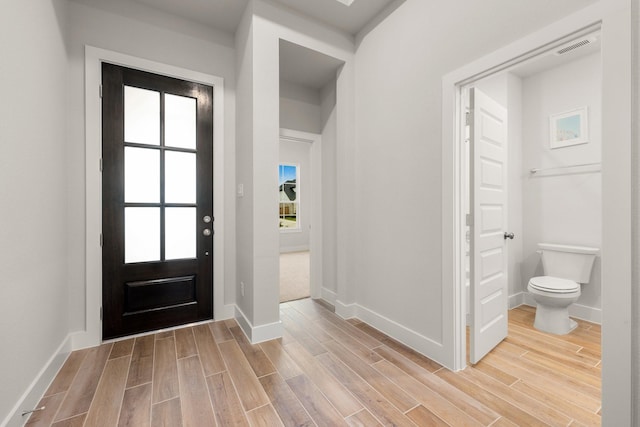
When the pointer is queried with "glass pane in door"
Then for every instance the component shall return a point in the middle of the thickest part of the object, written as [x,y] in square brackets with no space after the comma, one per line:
[180,233]
[179,121]
[179,177]
[141,234]
[141,175]
[141,116]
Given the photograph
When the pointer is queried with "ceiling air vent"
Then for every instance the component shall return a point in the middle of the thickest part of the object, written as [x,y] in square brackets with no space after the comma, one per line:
[575,45]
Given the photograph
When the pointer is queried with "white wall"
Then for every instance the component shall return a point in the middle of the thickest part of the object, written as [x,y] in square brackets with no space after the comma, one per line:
[399,70]
[635,112]
[300,108]
[515,173]
[298,154]
[563,208]
[244,165]
[136,30]
[329,191]
[34,294]
[268,25]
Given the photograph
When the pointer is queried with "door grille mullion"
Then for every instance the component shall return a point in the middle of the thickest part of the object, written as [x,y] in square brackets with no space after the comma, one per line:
[162,179]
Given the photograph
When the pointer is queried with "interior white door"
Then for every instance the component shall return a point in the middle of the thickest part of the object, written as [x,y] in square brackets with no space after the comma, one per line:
[488,173]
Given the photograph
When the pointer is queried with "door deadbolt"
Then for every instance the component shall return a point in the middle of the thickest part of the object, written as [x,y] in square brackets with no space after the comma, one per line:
[207,219]
[206,232]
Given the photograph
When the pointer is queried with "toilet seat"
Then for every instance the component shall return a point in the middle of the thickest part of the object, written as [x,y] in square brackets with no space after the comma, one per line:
[554,285]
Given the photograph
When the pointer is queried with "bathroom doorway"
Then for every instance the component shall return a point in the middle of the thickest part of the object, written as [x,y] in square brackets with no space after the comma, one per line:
[553,191]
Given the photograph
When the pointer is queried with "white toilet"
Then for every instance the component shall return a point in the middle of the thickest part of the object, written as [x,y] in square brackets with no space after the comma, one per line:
[565,268]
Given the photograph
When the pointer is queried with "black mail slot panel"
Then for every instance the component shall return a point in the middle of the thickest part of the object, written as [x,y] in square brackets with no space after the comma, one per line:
[154,294]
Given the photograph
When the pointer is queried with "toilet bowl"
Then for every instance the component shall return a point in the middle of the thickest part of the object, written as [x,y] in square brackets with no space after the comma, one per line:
[566,268]
[553,296]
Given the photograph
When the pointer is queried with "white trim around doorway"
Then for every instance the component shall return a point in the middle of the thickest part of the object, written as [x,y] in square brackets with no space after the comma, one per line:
[315,234]
[613,17]
[92,334]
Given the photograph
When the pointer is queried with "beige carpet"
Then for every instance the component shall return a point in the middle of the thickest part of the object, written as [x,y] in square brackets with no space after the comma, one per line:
[294,276]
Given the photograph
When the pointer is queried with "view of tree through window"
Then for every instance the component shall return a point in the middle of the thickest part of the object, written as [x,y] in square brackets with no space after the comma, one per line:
[287,179]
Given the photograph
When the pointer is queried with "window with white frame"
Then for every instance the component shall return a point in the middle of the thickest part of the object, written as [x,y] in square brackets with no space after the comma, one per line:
[289,196]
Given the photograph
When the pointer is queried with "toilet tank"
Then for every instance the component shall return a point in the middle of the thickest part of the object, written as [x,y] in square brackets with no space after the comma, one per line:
[568,262]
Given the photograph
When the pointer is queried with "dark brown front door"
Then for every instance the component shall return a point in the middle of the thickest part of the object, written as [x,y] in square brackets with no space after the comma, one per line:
[157,201]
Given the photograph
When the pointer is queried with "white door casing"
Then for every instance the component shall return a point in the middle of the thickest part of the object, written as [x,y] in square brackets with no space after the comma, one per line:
[315,206]
[489,270]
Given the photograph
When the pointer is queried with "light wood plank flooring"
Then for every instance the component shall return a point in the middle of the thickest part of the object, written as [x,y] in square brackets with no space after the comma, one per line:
[326,372]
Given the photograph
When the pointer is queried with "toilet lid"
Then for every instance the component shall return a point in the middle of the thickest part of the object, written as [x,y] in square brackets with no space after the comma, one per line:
[554,284]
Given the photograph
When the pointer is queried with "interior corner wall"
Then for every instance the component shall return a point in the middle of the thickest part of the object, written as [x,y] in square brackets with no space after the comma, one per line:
[635,112]
[244,165]
[300,108]
[329,190]
[265,137]
[150,34]
[34,295]
[515,174]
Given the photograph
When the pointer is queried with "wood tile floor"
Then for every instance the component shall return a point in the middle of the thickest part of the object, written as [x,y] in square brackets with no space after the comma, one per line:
[326,372]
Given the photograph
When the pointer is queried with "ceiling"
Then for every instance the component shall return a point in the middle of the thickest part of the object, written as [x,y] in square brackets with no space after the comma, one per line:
[298,65]
[226,14]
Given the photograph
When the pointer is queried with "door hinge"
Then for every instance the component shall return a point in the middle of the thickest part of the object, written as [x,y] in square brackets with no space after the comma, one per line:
[100,313]
[469,220]
[101,240]
[100,91]
[467,118]
[101,164]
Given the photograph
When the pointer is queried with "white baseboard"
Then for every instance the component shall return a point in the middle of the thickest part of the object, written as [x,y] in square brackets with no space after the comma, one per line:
[329,296]
[516,299]
[590,314]
[261,333]
[289,249]
[346,311]
[38,387]
[412,339]
[84,339]
[406,336]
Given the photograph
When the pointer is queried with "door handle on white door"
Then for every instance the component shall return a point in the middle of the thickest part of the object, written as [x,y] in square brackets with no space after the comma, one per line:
[509,236]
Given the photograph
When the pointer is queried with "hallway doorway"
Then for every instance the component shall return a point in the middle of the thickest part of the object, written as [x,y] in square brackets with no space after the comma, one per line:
[300,220]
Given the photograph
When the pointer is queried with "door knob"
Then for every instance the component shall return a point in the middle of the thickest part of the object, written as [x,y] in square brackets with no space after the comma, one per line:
[509,236]
[207,219]
[206,232]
